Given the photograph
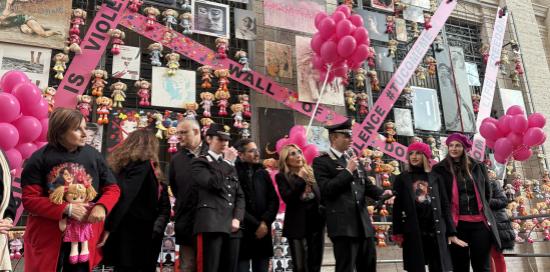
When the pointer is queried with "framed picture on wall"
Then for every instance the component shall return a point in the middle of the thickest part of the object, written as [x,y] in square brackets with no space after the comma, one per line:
[383,61]
[414,14]
[245,24]
[278,59]
[126,64]
[210,18]
[33,61]
[403,122]
[401,30]
[172,91]
[297,15]
[426,109]
[386,5]
[375,23]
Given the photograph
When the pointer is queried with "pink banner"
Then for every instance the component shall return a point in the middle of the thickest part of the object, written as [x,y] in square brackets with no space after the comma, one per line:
[489,83]
[17,195]
[93,46]
[366,133]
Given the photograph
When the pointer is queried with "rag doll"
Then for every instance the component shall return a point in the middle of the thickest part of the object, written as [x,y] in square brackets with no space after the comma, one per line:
[243,59]
[245,100]
[151,13]
[73,44]
[49,94]
[135,5]
[118,94]
[207,103]
[392,48]
[374,83]
[427,21]
[116,39]
[360,78]
[205,123]
[191,110]
[78,19]
[185,5]
[170,18]
[98,82]
[60,65]
[223,102]
[350,99]
[221,45]
[363,102]
[84,105]
[173,63]
[171,134]
[223,75]
[420,73]
[206,76]
[476,98]
[415,30]
[245,131]
[155,53]
[104,106]
[237,110]
[144,92]
[407,95]
[431,63]
[390,23]
[390,131]
[185,22]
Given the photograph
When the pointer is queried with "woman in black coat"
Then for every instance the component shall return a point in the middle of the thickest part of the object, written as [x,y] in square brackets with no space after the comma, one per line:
[421,215]
[136,224]
[303,223]
[498,204]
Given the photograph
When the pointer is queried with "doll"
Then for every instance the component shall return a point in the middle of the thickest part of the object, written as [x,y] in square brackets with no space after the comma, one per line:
[415,30]
[377,158]
[390,130]
[371,57]
[191,110]
[73,44]
[223,102]
[49,94]
[350,99]
[522,210]
[433,146]
[518,67]
[135,5]
[348,3]
[74,231]
[15,248]
[221,45]
[363,101]
[438,43]
[172,140]
[374,83]
[390,22]
[78,18]
[515,78]
[383,214]
[170,18]
[427,21]
[529,226]
[185,6]
[407,95]
[118,94]
[381,235]
[360,78]
[516,227]
[433,5]
[517,182]
[167,37]
[237,110]
[104,106]
[387,169]
[545,225]
[155,53]
[151,13]
[243,59]
[116,39]
[157,119]
[144,92]
[206,76]
[185,22]
[420,73]
[206,103]
[84,105]
[367,159]
[223,75]
[392,48]
[245,100]
[205,123]
[60,64]
[484,50]
[173,63]
[510,192]
[431,63]
[476,98]
[245,131]
[98,82]
[395,165]
[504,59]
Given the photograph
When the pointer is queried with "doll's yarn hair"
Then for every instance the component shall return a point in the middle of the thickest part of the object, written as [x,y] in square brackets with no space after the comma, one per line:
[77,189]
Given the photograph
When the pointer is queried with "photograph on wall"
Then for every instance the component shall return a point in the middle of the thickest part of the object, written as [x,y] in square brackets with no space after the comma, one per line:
[210,18]
[298,15]
[33,61]
[425,4]
[386,5]
[309,85]
[401,30]
[126,64]
[245,24]
[464,94]
[426,109]
[172,91]
[94,135]
[512,98]
[239,1]
[473,74]
[319,137]
[383,61]
[403,122]
[269,135]
[447,89]
[278,59]
[375,23]
[42,23]
[414,14]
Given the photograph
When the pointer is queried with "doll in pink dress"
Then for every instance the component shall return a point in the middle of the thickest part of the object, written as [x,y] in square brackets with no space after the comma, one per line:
[135,5]
[221,46]
[144,92]
[151,13]
[78,19]
[172,140]
[244,99]
[85,105]
[223,102]
[116,39]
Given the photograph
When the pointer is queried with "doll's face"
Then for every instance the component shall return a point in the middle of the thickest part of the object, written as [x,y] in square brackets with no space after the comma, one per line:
[98,74]
[74,198]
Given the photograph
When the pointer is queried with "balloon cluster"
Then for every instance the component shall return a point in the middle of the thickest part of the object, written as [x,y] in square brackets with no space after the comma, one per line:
[23,117]
[297,136]
[513,134]
[342,43]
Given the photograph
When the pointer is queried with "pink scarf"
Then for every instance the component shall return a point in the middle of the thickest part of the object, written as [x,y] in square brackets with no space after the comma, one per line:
[455,207]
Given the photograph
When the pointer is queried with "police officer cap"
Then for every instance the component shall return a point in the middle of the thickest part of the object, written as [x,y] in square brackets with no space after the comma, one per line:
[344,128]
[218,130]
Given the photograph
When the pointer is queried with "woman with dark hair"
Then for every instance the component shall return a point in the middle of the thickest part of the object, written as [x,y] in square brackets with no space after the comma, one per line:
[469,192]
[421,215]
[66,148]
[143,208]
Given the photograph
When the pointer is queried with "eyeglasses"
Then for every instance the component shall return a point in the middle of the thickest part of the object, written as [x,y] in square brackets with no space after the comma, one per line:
[253,151]
[296,152]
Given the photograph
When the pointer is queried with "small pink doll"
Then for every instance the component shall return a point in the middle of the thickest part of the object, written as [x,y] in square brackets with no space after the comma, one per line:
[243,59]
[144,92]
[74,231]
[374,83]
[390,22]
[363,101]
[78,19]
[518,67]
[221,45]
[191,110]
[245,100]
[484,50]
[223,102]
[432,63]
[118,94]
[427,21]
[98,81]
[205,123]
[116,39]
[476,98]
[517,182]
[206,103]
[104,106]
[60,64]
[206,76]
[15,248]
[151,13]
[73,44]
[172,140]
[135,5]
[237,110]
[48,95]
[84,105]
[371,58]
[173,63]
[223,75]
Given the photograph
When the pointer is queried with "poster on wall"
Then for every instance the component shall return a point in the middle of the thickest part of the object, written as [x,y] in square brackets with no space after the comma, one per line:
[375,23]
[383,61]
[94,135]
[278,59]
[386,5]
[298,15]
[210,18]
[245,24]
[126,64]
[425,4]
[319,137]
[240,1]
[463,89]
[426,109]
[447,89]
[414,14]
[473,74]
[401,30]
[33,61]
[511,98]
[269,135]
[308,78]
[403,122]
[172,91]
[42,23]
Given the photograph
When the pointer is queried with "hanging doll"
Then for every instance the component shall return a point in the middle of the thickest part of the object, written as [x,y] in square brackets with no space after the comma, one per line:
[399,8]
[420,73]
[157,119]
[431,63]
[390,23]
[522,210]
[84,105]
[395,165]
[515,78]
[377,159]
[172,139]
[415,30]
[390,131]
[387,169]
[170,18]
[49,94]
[135,5]
[360,78]
[367,159]
[206,76]
[392,48]
[205,123]
[433,146]
[144,92]
[363,102]
[118,94]
[433,5]
[374,83]
[98,81]
[383,214]
[155,53]
[381,235]
[74,231]
[78,18]
[348,3]
[350,99]
[245,100]
[116,39]
[407,95]
[167,37]
[223,75]
[371,57]
[223,102]
[517,182]
[518,67]
[15,249]
[191,110]
[73,44]
[173,63]
[221,45]
[476,98]
[504,61]
[484,50]
[438,43]
[185,22]
[60,64]
[243,59]
[237,110]
[206,103]
[545,225]
[245,131]
[427,21]
[104,106]
[517,227]
[151,13]
[529,226]
[185,5]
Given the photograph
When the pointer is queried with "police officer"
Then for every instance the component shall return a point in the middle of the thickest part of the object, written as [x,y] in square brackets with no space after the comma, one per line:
[220,205]
[344,185]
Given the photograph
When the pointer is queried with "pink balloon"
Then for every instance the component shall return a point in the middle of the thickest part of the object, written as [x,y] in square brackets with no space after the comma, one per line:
[316,43]
[346,46]
[319,18]
[329,52]
[341,70]
[343,28]
[355,65]
[500,159]
[522,154]
[280,144]
[489,131]
[330,75]
[40,144]
[514,110]
[490,144]
[297,129]
[533,136]
[27,93]
[504,124]
[317,62]
[357,20]
[310,152]
[26,149]
[542,140]
[298,139]
[44,133]
[504,147]
[327,27]
[515,138]
[29,128]
[38,110]
[536,120]
[10,136]
[344,9]
[360,53]
[14,158]
[11,79]
[337,16]
[361,35]
[491,120]
[519,123]
[10,108]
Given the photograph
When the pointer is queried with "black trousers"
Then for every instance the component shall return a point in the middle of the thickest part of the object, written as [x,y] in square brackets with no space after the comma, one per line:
[354,254]
[478,251]
[220,252]
[430,249]
[307,253]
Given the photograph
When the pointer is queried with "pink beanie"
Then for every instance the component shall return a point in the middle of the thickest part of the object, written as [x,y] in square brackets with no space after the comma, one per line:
[461,138]
[422,148]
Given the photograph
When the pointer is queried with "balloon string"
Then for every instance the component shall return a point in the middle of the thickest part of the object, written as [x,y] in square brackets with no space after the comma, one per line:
[329,67]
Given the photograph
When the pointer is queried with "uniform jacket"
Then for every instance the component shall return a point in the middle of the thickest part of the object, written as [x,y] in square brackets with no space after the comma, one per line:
[344,197]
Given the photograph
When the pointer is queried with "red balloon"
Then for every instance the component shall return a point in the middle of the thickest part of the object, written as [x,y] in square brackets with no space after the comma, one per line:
[316,43]
[361,35]
[343,28]
[317,62]
[356,20]
[504,124]
[536,120]
[338,16]
[341,70]
[344,9]
[490,144]
[489,131]
[319,18]
[519,123]
[329,52]
[44,133]
[500,159]
[40,144]
[355,65]
[346,46]
[490,119]
[504,147]
[327,27]
[533,136]
[514,110]
[523,154]
[38,110]
[360,54]
[515,138]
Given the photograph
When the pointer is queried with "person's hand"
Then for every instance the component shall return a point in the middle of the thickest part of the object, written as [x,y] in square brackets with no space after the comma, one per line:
[103,238]
[352,164]
[230,154]
[389,201]
[262,230]
[456,241]
[235,225]
[97,214]
[78,210]
[5,225]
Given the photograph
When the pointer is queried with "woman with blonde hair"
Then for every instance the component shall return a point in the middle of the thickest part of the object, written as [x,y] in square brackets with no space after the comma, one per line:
[143,208]
[303,223]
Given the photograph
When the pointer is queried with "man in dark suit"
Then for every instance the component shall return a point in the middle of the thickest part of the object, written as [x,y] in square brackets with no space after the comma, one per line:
[189,134]
[220,204]
[344,186]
